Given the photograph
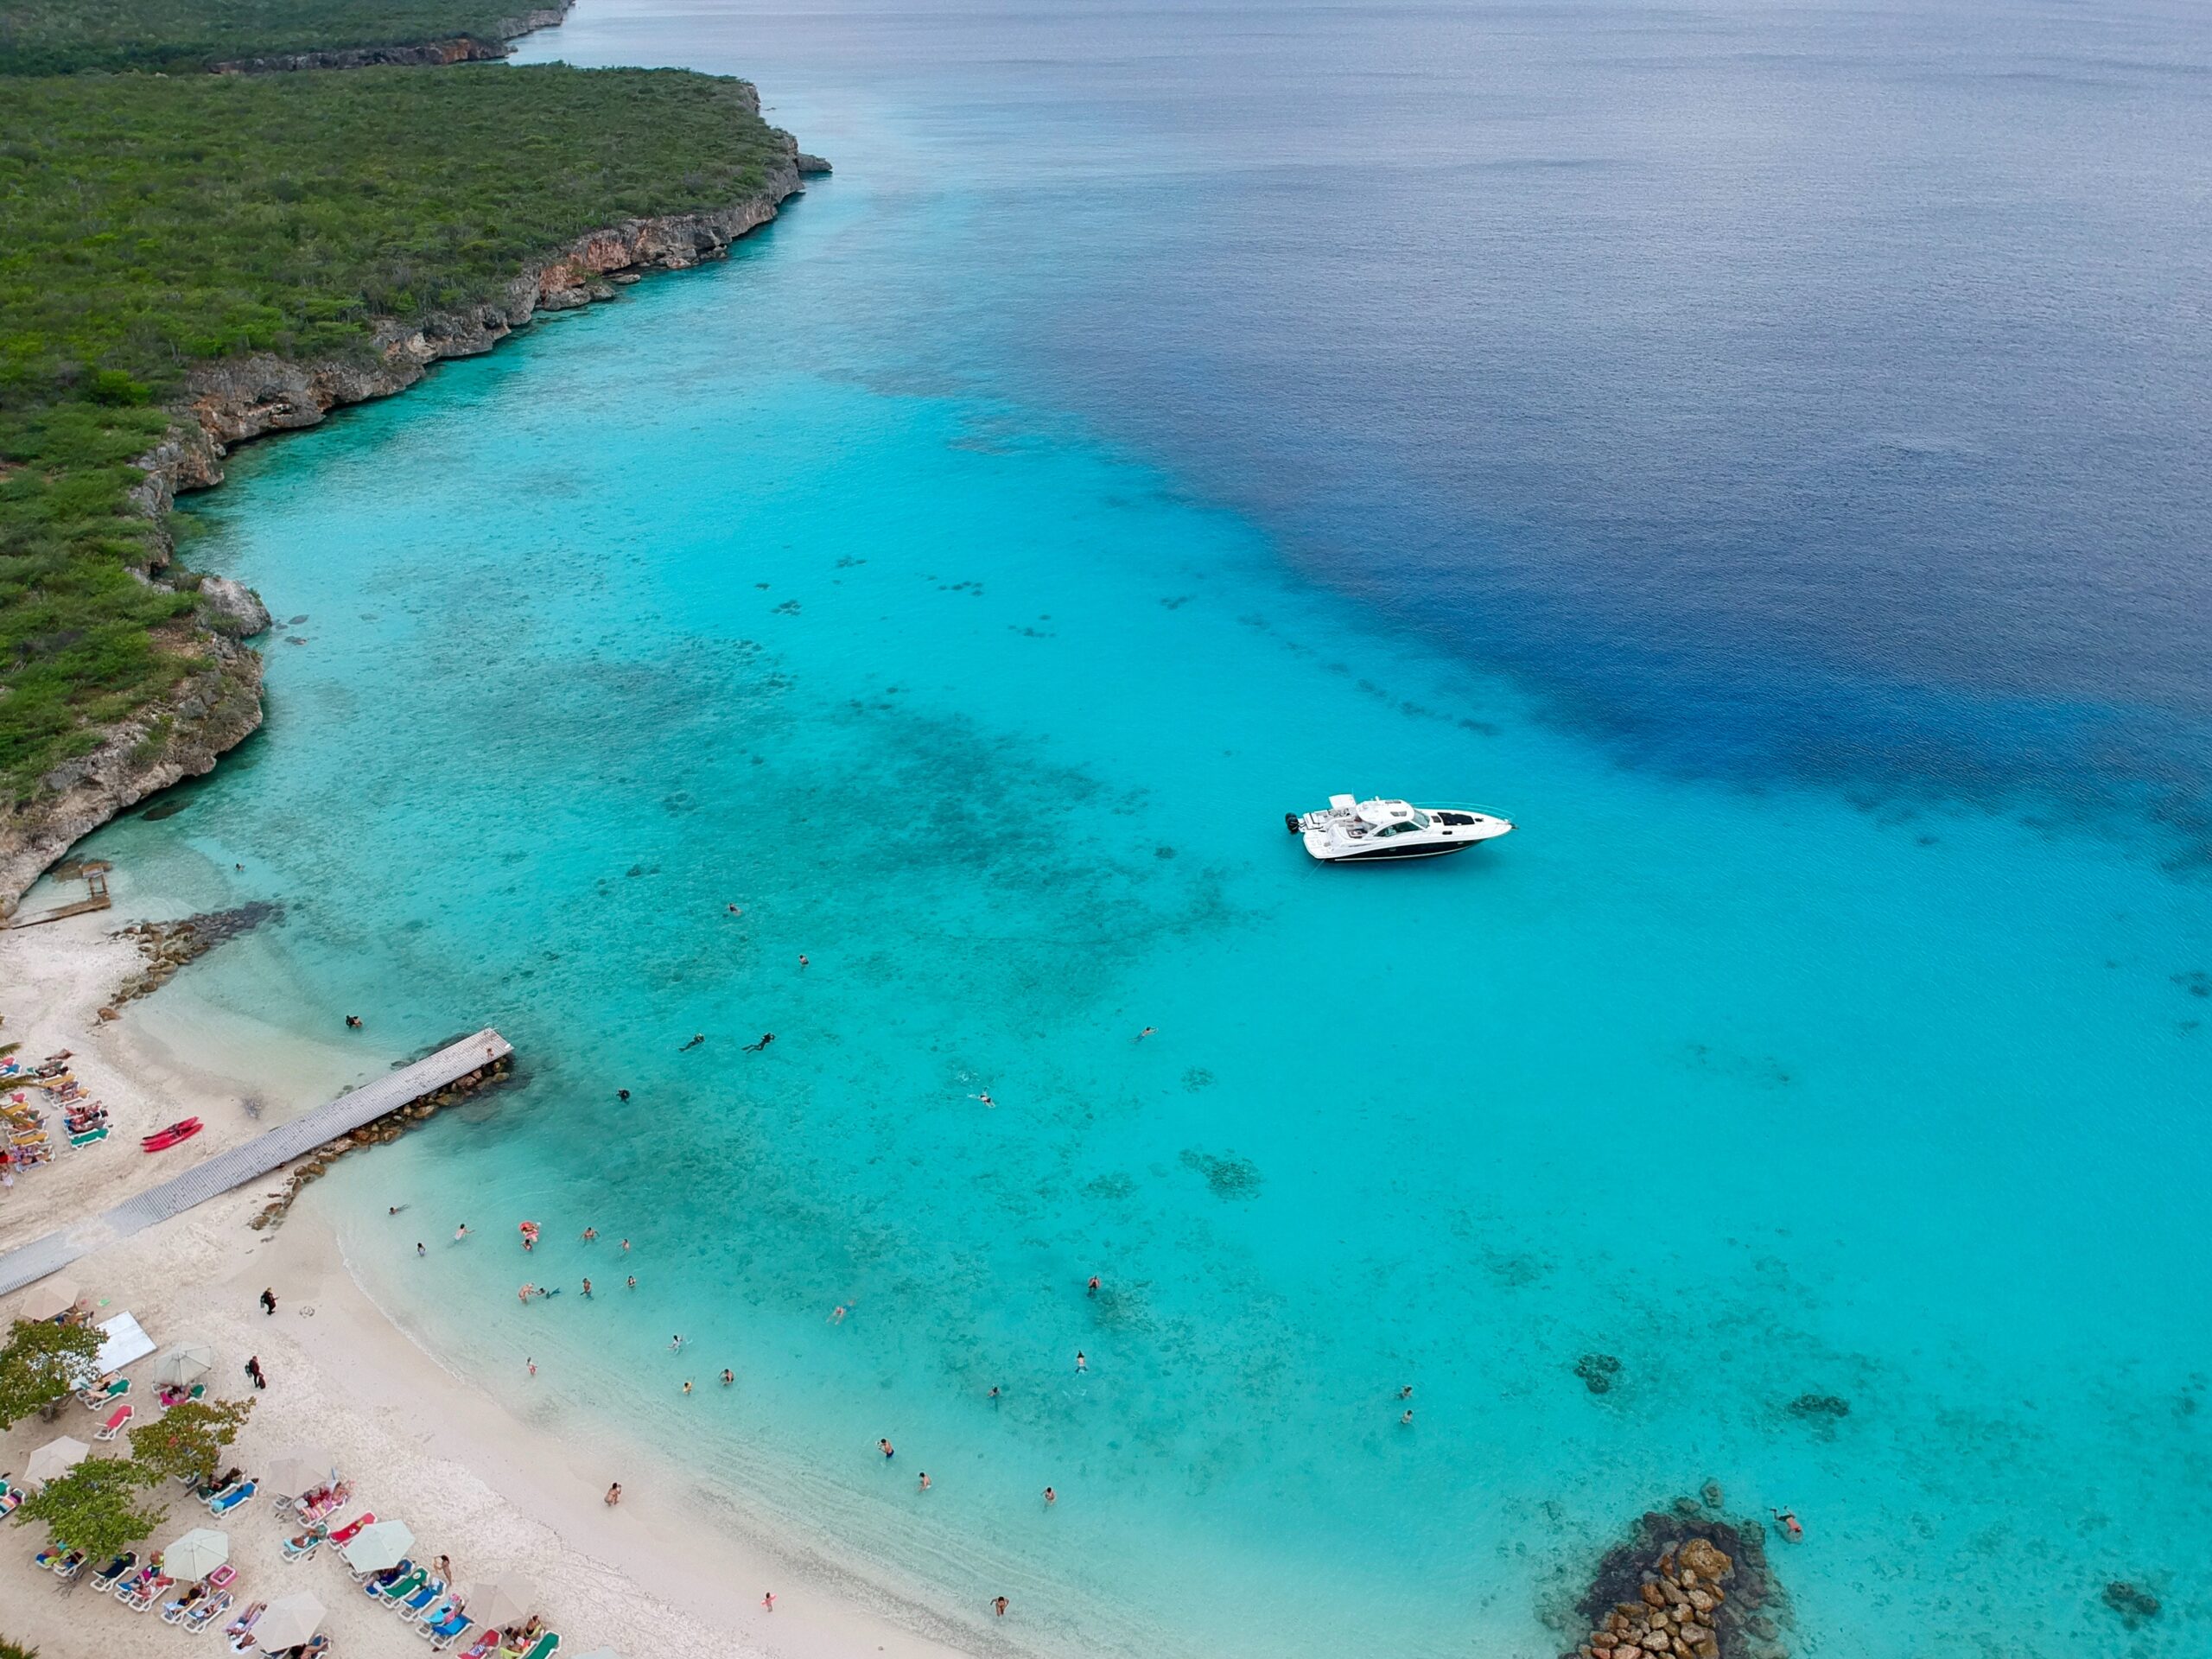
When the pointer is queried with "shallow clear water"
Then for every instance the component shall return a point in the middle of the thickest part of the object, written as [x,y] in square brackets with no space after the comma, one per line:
[791,584]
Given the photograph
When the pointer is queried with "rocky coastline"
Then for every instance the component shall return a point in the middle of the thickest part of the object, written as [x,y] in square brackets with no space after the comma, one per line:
[461,48]
[230,401]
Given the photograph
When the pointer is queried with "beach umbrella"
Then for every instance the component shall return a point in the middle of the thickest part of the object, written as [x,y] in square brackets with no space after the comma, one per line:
[288,1623]
[196,1554]
[301,1469]
[373,1548]
[184,1364]
[500,1601]
[49,1299]
[54,1460]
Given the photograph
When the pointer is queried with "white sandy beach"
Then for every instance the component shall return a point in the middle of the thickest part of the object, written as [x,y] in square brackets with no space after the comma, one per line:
[663,1575]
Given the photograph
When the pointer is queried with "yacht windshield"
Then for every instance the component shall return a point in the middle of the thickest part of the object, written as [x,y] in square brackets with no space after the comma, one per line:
[1421,819]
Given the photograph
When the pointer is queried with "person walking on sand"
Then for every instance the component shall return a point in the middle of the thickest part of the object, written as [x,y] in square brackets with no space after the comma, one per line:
[998,1605]
[269,1301]
[697,1038]
[613,1496]
[769,1601]
[253,1372]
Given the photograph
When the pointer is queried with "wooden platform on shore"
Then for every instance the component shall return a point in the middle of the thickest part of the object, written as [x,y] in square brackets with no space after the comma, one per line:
[30,1263]
[95,874]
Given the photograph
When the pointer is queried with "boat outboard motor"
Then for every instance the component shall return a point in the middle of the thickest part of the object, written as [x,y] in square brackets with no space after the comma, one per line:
[1290,821]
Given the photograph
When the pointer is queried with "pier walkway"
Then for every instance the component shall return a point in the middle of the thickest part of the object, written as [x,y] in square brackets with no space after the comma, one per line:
[30,1263]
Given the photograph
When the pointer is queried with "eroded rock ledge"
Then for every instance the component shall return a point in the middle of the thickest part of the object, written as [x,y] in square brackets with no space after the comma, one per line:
[236,400]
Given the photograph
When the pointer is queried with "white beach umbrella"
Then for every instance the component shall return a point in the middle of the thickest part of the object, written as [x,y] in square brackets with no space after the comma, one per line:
[501,1601]
[54,1460]
[373,1548]
[301,1469]
[196,1554]
[49,1299]
[288,1623]
[184,1364]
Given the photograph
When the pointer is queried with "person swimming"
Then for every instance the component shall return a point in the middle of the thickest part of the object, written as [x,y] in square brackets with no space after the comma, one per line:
[728,1376]
[697,1038]
[1789,1523]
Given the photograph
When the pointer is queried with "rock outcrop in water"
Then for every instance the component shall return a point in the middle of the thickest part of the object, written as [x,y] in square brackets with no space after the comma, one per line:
[230,402]
[1686,1584]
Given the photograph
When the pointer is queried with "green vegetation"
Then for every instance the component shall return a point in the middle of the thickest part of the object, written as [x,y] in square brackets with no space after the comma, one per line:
[43,1362]
[150,223]
[12,1650]
[54,37]
[188,1439]
[95,1507]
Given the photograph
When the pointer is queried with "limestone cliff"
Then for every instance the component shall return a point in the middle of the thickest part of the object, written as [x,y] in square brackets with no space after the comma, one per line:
[230,401]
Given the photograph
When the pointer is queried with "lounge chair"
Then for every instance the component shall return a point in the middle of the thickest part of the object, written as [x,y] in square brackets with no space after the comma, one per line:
[118,1421]
[544,1648]
[104,1580]
[104,1393]
[128,1585]
[444,1609]
[345,1535]
[300,1545]
[70,1565]
[396,1589]
[485,1644]
[50,1557]
[149,1592]
[173,1612]
[240,1630]
[445,1635]
[420,1600]
[377,1580]
[89,1137]
[232,1499]
[211,1609]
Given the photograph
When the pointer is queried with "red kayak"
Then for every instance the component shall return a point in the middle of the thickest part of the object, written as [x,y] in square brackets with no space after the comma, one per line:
[163,1140]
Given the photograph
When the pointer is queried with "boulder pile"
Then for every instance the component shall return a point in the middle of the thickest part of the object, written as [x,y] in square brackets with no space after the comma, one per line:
[1684,1587]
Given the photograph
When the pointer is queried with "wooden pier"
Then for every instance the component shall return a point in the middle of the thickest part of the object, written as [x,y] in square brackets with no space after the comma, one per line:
[95,874]
[30,1263]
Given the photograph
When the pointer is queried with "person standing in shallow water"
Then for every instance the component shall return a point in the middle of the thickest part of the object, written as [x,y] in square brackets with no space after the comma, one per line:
[998,1605]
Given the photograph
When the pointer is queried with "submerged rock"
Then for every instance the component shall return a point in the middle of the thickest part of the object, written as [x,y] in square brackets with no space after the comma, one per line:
[1684,1585]
[2135,1606]
[1597,1372]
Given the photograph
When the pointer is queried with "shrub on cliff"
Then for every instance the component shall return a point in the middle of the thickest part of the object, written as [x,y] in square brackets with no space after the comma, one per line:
[52,37]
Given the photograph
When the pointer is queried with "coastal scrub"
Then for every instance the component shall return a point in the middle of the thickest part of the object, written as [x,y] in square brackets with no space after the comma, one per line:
[152,225]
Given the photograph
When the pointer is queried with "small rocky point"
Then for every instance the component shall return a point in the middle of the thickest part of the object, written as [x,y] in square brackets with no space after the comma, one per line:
[1686,1585]
[167,946]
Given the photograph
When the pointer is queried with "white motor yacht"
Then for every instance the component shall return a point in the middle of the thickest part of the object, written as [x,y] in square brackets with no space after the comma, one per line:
[1360,832]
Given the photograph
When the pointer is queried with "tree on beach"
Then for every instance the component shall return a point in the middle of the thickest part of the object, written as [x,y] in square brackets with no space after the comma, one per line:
[187,1441]
[42,1363]
[93,1508]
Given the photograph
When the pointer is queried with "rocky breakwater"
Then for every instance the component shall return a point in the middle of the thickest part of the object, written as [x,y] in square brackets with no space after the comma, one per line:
[1685,1585]
[378,1132]
[167,946]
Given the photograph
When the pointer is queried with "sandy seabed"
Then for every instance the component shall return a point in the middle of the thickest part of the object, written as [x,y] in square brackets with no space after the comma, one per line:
[672,1571]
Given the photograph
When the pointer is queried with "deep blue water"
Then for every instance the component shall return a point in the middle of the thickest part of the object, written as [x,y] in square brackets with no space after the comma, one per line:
[1747,447]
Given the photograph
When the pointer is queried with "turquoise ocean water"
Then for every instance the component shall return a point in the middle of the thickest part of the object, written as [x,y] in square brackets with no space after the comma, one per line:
[791,584]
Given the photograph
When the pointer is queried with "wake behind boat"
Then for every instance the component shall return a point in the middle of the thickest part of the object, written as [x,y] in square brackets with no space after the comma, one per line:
[1361,832]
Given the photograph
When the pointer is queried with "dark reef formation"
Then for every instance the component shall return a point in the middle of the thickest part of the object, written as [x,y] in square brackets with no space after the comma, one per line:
[1687,1583]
